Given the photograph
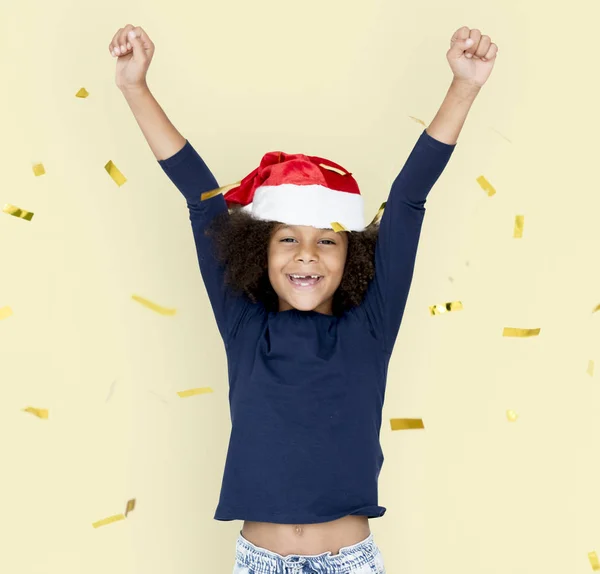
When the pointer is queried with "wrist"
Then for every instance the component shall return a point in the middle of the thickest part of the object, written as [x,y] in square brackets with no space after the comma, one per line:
[464,88]
[135,91]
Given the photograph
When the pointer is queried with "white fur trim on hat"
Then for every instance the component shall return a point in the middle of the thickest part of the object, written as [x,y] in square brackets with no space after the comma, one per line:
[313,205]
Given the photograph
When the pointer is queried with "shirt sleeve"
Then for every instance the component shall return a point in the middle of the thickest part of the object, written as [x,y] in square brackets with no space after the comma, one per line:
[190,174]
[399,232]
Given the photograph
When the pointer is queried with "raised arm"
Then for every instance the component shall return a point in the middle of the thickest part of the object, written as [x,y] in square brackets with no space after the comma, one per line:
[400,226]
[399,233]
[183,166]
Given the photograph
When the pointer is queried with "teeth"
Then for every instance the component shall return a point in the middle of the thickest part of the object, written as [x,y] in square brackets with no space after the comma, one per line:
[305,276]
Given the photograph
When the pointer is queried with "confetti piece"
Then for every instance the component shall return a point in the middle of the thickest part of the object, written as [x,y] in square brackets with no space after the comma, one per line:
[117,176]
[130,506]
[108,520]
[445,308]
[512,332]
[418,121]
[378,215]
[40,413]
[218,191]
[162,399]
[335,169]
[210,194]
[38,169]
[17,212]
[519,222]
[511,416]
[486,186]
[590,369]
[153,306]
[337,227]
[194,392]
[596,308]
[5,313]
[501,135]
[593,558]
[111,390]
[406,424]
[83,93]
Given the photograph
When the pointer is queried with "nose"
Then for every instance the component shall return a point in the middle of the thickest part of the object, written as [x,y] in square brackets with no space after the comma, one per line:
[306,254]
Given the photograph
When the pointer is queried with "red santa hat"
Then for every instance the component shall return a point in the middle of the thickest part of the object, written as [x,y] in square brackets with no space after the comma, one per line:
[297,189]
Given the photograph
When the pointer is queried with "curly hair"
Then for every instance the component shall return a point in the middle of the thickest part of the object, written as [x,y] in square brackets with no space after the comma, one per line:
[241,245]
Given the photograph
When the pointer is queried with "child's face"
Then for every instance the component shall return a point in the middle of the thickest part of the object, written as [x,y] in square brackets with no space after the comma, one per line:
[305,251]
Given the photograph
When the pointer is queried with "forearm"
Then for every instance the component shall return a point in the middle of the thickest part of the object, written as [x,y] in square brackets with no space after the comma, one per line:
[162,136]
[450,119]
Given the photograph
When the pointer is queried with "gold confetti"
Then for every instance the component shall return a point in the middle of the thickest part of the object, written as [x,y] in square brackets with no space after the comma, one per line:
[337,227]
[117,176]
[161,399]
[445,308]
[511,416]
[331,168]
[111,390]
[194,392]
[17,212]
[486,186]
[218,191]
[418,121]
[38,169]
[108,520]
[83,93]
[593,558]
[40,413]
[512,332]
[153,306]
[519,222]
[130,506]
[378,215]
[590,369]
[5,312]
[596,308]
[406,424]
[501,135]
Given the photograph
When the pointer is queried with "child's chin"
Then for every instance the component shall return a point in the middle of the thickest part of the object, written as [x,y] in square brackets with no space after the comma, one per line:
[308,304]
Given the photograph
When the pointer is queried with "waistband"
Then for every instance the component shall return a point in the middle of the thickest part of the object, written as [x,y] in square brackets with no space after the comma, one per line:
[263,561]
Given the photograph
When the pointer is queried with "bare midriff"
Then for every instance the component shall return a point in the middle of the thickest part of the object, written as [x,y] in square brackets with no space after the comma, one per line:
[307,539]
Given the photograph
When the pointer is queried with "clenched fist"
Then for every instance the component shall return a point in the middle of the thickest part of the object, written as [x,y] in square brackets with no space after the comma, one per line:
[134,50]
[471,56]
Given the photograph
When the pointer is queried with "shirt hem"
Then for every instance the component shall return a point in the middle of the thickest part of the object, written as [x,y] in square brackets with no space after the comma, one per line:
[228,515]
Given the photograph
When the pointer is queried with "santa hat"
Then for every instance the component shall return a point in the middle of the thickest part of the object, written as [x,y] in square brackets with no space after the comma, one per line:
[297,189]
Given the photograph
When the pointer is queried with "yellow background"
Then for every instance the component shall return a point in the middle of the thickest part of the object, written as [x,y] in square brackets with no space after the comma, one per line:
[472,492]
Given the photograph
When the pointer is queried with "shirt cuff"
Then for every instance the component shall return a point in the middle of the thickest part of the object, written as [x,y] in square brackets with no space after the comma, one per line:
[436,144]
[184,153]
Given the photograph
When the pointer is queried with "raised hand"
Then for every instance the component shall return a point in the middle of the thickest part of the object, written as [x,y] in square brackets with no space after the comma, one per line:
[471,56]
[134,50]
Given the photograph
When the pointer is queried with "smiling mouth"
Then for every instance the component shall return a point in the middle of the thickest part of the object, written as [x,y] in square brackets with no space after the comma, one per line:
[305,281]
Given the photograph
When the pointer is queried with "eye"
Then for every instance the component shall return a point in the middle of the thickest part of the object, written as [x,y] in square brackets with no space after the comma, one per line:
[329,241]
[286,239]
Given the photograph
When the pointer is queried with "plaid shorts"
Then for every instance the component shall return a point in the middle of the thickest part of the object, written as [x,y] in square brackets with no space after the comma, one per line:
[362,558]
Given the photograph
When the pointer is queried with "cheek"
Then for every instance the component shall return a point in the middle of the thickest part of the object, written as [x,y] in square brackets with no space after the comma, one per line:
[275,262]
[337,264]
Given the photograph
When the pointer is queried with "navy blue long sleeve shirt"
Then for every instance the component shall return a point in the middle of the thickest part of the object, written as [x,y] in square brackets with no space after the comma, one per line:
[306,390]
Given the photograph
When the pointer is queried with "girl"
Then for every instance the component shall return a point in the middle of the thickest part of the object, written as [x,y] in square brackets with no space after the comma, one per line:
[309,313]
